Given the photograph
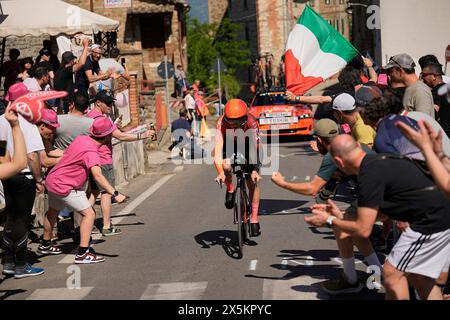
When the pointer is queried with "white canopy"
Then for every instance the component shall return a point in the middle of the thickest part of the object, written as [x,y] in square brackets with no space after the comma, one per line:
[52,17]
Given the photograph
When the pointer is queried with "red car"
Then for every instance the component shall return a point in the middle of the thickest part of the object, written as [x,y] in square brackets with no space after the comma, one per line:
[287,118]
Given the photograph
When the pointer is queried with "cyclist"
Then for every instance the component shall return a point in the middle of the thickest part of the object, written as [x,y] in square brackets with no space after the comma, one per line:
[238,122]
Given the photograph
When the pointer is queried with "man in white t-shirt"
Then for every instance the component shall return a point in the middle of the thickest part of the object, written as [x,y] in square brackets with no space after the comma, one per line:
[20,192]
[112,63]
[189,102]
[39,81]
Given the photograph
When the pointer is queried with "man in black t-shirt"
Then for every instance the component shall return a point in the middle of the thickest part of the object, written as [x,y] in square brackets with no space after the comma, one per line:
[64,75]
[44,62]
[90,72]
[399,189]
[432,77]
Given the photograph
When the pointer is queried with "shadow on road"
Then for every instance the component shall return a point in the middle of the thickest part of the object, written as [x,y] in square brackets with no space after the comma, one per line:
[281,207]
[227,239]
[5,294]
[316,264]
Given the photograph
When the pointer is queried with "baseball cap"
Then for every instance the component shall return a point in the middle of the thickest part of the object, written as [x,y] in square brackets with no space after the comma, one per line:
[401,61]
[102,127]
[50,117]
[68,56]
[326,128]
[16,91]
[105,97]
[444,90]
[365,95]
[44,52]
[344,102]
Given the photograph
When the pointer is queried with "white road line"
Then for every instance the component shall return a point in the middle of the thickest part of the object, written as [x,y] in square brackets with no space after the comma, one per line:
[60,294]
[136,202]
[253,264]
[175,291]
[69,259]
[339,260]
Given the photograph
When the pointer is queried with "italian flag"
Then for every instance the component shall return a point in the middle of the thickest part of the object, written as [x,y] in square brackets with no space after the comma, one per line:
[315,52]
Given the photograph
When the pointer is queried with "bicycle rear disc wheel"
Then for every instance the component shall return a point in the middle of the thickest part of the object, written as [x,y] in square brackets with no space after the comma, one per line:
[240,207]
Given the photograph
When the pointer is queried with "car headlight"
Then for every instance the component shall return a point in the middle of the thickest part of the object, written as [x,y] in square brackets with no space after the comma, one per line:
[305,116]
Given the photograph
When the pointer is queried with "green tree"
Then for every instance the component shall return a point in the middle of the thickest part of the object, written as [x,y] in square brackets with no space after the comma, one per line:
[208,41]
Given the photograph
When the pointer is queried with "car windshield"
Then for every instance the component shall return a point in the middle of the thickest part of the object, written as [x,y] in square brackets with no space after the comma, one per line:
[271,100]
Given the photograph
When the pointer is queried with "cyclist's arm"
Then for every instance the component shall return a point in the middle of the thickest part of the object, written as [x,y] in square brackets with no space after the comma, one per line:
[218,150]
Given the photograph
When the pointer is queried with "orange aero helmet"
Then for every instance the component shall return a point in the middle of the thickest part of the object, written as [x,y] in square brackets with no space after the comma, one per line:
[235,109]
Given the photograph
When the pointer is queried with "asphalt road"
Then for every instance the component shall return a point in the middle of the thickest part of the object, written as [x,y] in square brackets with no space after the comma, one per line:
[179,243]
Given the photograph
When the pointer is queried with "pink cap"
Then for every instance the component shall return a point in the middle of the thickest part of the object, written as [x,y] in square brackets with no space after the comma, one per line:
[16,91]
[102,127]
[50,117]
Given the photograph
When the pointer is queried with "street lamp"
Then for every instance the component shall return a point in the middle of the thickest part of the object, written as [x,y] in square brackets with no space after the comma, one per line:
[350,6]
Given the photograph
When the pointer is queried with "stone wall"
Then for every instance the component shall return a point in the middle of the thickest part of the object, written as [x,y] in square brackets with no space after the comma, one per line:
[28,46]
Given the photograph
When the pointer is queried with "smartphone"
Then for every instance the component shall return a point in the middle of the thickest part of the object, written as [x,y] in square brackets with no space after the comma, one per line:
[2,148]
[123,62]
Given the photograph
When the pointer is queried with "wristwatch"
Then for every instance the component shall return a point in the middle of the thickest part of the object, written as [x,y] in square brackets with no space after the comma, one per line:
[116,193]
[297,98]
[330,221]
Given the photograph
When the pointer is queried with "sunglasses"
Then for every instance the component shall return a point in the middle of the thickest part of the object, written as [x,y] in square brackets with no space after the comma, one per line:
[237,122]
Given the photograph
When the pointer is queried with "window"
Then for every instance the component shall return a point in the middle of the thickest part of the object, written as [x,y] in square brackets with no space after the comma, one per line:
[327,1]
[247,33]
[245,5]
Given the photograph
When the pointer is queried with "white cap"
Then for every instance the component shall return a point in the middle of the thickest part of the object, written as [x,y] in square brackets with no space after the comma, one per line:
[444,90]
[344,102]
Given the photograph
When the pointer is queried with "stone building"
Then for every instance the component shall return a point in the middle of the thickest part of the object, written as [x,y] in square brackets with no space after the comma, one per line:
[149,29]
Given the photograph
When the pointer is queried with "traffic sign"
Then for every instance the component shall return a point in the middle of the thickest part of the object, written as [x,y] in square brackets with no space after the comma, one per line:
[218,64]
[162,70]
[447,53]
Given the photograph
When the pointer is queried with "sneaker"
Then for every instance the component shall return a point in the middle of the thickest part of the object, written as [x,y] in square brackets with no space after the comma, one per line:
[111,231]
[51,249]
[229,200]
[255,229]
[88,257]
[27,271]
[9,269]
[340,286]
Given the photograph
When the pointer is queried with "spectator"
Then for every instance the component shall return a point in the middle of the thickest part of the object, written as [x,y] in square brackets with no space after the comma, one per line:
[182,83]
[196,87]
[40,79]
[11,69]
[418,97]
[112,63]
[25,69]
[44,62]
[47,129]
[20,192]
[64,75]
[73,124]
[432,76]
[401,190]
[90,72]
[344,107]
[65,187]
[431,59]
[102,108]
[47,46]
[189,102]
[325,131]
[181,131]
[8,169]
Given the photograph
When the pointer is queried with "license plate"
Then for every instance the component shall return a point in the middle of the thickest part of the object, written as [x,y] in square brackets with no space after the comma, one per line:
[278,114]
[279,127]
[278,120]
